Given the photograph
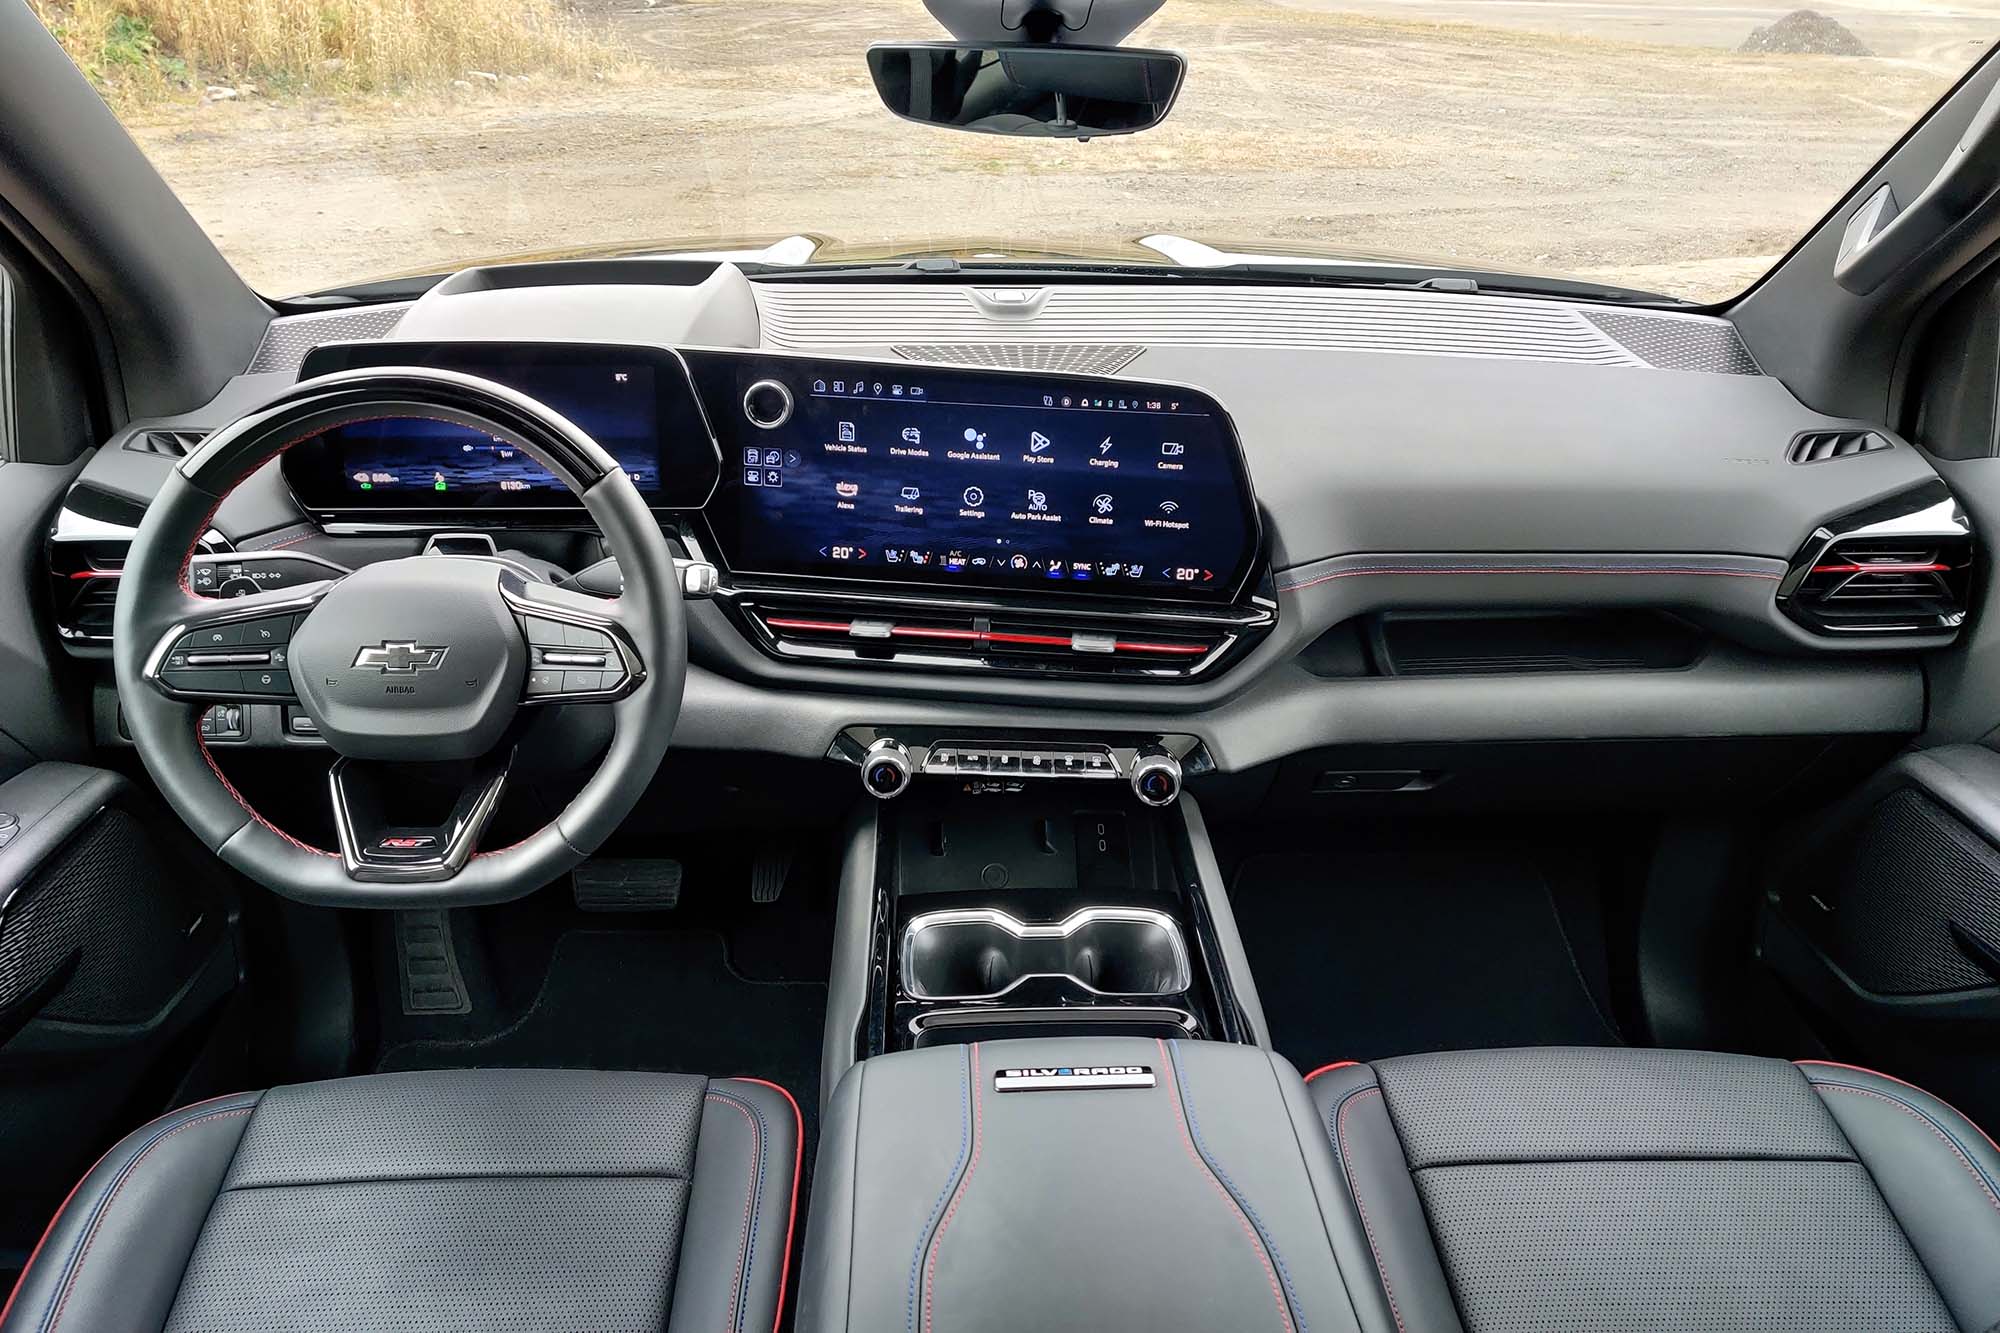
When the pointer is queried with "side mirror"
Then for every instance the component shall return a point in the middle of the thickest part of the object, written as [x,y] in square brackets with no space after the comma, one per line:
[1041,92]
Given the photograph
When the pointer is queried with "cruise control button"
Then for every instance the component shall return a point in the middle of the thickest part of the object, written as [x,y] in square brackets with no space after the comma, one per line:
[267,682]
[205,680]
[264,633]
[212,636]
[544,682]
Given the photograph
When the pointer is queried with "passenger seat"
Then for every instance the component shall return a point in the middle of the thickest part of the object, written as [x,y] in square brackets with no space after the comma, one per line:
[1587,1189]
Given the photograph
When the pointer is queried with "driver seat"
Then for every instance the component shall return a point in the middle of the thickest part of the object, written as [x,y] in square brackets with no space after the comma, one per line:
[477,1199]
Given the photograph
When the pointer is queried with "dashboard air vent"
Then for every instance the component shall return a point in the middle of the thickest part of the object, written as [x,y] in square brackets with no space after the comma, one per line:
[916,637]
[1885,585]
[165,443]
[1818,446]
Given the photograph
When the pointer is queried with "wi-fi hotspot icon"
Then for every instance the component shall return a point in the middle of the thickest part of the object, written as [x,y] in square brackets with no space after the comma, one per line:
[1168,507]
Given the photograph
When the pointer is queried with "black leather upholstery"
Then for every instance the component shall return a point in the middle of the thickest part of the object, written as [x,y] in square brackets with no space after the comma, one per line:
[1625,1190]
[490,1199]
[942,1203]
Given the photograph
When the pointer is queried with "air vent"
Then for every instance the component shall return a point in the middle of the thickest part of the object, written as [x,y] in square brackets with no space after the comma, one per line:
[1819,446]
[84,587]
[913,637]
[1884,585]
[165,443]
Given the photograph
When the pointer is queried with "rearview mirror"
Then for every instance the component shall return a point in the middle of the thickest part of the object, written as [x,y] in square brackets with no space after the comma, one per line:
[1046,92]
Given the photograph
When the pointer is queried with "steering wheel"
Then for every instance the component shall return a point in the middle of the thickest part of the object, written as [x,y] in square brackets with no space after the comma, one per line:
[407,667]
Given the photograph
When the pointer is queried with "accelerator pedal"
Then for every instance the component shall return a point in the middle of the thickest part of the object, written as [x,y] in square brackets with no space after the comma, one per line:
[768,871]
[627,884]
[428,964]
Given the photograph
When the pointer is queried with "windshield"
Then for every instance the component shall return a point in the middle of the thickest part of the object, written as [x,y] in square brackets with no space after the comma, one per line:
[1676,148]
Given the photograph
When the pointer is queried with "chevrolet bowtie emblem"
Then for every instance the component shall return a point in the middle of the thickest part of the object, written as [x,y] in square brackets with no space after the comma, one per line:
[400,659]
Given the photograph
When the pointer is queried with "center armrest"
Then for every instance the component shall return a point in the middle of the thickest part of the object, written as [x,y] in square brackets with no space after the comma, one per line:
[1100,1182]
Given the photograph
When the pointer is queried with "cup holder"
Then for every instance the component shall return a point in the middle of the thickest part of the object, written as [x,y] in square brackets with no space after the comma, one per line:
[982,953]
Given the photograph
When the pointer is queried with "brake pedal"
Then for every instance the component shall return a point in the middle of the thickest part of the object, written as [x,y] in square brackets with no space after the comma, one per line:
[626,884]
[768,870]
[427,964]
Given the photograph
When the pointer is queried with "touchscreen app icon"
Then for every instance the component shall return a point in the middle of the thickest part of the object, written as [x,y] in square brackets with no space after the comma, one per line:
[847,432]
[1037,442]
[911,435]
[1038,502]
[847,490]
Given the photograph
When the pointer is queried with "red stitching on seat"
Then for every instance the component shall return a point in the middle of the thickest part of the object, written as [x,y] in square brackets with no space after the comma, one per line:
[957,1195]
[1256,1245]
[1863,1069]
[21,1281]
[1328,1069]
[749,1204]
[792,1209]
[1944,1138]
[91,1236]
[1340,1133]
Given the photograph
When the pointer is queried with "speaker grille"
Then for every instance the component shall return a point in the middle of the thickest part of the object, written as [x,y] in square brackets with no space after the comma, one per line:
[1911,868]
[104,900]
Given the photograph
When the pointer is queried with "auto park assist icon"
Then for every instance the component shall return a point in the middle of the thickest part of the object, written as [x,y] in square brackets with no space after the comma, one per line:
[400,658]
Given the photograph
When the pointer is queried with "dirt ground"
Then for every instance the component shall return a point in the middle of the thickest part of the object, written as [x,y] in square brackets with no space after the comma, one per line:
[1622,141]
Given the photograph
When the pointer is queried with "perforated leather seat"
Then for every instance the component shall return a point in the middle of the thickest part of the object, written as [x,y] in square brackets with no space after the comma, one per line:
[489,1199]
[1588,1190]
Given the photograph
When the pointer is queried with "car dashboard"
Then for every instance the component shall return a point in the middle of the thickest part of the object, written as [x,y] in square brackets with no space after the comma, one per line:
[1311,533]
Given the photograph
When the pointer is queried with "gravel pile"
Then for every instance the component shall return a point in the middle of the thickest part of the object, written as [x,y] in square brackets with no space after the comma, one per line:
[1805,32]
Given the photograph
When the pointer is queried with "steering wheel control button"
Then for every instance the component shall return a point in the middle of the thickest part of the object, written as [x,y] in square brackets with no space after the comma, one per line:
[582,682]
[544,682]
[267,682]
[545,633]
[767,404]
[204,680]
[213,636]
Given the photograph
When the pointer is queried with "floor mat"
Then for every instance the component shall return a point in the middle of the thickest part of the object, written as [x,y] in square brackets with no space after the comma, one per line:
[649,999]
[1370,954]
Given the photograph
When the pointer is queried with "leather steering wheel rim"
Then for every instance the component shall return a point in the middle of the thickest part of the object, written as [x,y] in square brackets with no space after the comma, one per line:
[154,598]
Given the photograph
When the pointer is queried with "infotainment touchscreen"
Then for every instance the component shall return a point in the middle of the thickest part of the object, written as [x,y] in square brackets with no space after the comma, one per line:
[921,474]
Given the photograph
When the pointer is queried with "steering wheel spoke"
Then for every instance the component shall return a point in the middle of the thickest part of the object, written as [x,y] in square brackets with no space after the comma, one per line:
[579,651]
[431,827]
[238,648]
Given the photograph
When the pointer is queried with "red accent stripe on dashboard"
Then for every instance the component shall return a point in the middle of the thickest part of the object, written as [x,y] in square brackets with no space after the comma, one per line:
[1016,637]
[1881,569]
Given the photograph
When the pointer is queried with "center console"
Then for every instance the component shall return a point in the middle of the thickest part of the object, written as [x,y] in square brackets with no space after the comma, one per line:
[1077,1183]
[1025,884]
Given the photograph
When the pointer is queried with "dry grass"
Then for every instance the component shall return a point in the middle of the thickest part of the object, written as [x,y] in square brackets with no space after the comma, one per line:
[139,51]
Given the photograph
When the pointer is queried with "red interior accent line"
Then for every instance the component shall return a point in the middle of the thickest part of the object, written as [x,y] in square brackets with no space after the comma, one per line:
[1328,1069]
[1881,569]
[1864,1069]
[993,636]
[819,626]
[95,574]
[792,1212]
